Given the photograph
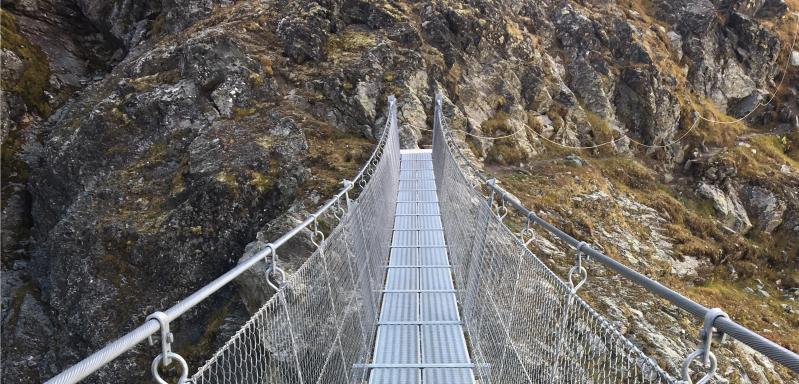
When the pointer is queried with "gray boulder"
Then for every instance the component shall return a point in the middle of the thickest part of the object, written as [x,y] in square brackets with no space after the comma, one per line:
[691,17]
[303,32]
[765,207]
[675,43]
[755,45]
[253,287]
[728,206]
[644,106]
[130,21]
[590,86]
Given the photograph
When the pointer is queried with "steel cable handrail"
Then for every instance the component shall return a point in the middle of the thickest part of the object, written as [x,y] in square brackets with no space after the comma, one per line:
[604,335]
[726,325]
[102,357]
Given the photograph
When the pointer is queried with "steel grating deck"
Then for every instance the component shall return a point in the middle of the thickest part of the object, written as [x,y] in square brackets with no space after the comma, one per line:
[419,335]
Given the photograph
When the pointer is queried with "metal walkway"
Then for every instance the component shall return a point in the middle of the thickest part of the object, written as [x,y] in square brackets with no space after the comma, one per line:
[419,335]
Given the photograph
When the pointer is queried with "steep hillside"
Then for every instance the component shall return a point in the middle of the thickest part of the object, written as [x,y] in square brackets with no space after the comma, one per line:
[145,144]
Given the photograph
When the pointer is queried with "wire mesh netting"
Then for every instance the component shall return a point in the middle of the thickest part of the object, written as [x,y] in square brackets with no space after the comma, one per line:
[524,324]
[320,327]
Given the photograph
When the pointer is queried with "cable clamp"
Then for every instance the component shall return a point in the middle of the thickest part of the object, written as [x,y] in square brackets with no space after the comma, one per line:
[166,336]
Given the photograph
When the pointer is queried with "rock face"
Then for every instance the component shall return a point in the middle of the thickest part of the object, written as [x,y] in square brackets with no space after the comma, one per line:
[728,61]
[728,205]
[644,107]
[129,22]
[153,143]
[255,291]
[152,177]
[765,207]
[304,32]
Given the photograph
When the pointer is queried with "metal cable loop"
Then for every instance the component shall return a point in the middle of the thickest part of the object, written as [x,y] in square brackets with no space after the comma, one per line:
[578,269]
[184,368]
[338,211]
[317,234]
[501,210]
[707,358]
[528,232]
[684,371]
[273,270]
[166,356]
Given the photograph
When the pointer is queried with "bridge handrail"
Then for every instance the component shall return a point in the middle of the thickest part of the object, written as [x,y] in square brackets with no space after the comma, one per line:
[98,359]
[724,324]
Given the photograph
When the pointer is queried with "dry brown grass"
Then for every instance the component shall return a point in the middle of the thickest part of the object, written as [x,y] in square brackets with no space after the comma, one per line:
[333,155]
[547,187]
[763,315]
[762,161]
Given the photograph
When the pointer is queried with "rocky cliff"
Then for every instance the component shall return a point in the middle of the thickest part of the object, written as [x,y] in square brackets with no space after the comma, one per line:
[146,143]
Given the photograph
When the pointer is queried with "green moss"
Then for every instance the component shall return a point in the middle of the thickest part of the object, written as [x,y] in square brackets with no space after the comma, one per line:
[178,183]
[256,79]
[260,181]
[474,146]
[35,77]
[266,142]
[601,130]
[777,148]
[240,113]
[226,178]
[703,206]
[332,154]
[145,83]
[762,161]
[158,25]
[266,65]
[17,298]
[196,351]
[505,151]
[14,169]
[349,41]
[112,267]
[496,125]
[157,151]
[739,304]
[627,171]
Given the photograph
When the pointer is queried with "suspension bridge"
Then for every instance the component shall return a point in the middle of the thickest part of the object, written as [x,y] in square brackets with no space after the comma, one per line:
[422,282]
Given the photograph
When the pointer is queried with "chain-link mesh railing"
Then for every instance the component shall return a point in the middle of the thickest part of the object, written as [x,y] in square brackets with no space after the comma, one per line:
[319,327]
[524,324]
